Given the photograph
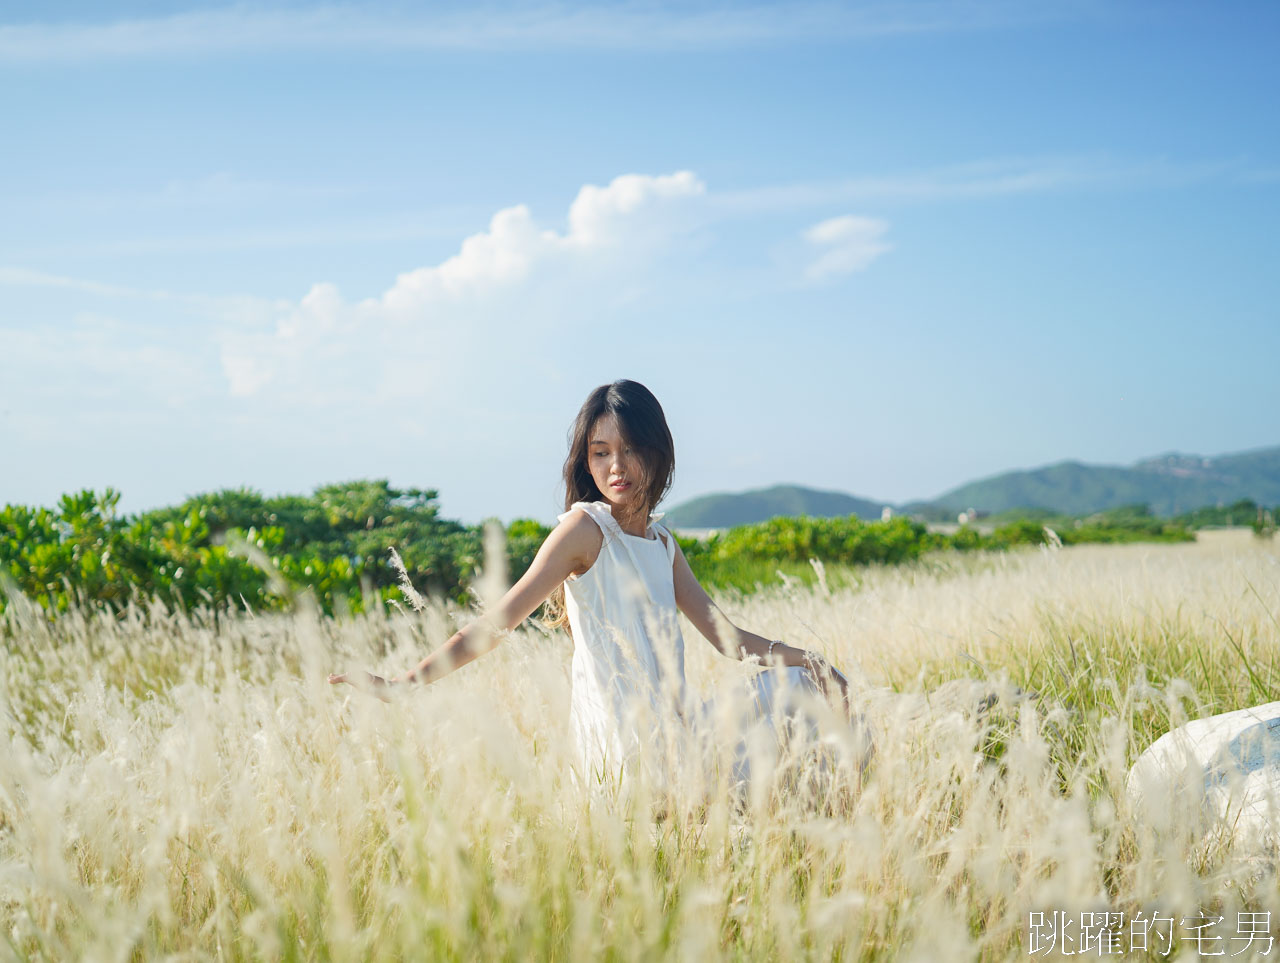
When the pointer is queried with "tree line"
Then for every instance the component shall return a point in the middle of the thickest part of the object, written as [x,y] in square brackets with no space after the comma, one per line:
[239,548]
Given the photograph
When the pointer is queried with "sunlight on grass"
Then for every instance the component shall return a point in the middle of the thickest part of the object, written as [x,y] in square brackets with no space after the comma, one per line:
[191,787]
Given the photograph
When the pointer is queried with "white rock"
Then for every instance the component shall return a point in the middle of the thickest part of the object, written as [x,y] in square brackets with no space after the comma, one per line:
[1227,766]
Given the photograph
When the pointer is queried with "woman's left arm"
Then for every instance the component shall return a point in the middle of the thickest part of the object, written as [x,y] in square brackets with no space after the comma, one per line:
[693,600]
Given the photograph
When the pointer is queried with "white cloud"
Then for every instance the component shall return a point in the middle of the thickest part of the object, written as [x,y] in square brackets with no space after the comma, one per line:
[635,212]
[246,374]
[606,215]
[465,303]
[848,244]
[626,25]
[502,255]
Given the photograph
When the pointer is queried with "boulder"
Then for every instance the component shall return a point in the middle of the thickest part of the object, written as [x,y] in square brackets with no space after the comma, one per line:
[1225,766]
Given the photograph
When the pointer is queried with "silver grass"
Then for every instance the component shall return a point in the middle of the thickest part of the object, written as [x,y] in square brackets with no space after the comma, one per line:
[416,601]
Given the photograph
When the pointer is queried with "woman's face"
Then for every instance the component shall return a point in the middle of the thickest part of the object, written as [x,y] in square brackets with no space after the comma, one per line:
[615,467]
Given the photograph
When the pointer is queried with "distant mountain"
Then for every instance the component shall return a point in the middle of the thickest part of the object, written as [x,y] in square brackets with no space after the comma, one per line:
[725,511]
[1170,484]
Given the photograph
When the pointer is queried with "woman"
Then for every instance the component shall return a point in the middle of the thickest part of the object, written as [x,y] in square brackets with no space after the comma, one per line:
[618,577]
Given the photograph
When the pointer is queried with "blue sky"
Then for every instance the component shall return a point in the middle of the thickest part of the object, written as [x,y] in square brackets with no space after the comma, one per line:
[879,248]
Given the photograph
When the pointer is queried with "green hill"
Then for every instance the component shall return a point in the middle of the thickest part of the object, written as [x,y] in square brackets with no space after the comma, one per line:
[727,510]
[1170,484]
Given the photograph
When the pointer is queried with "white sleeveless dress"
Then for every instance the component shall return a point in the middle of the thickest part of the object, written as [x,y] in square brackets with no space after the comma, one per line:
[630,704]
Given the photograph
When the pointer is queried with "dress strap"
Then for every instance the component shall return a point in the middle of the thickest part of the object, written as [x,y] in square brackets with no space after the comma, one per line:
[670,541]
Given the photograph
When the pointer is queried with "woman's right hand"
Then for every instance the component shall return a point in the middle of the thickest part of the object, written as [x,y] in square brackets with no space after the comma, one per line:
[366,682]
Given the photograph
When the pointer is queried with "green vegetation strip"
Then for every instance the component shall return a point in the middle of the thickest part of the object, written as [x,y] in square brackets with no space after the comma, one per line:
[238,548]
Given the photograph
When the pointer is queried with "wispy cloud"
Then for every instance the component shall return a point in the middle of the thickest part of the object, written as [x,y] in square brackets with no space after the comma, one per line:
[1262,176]
[626,25]
[983,179]
[24,277]
[598,207]
[399,227]
[847,243]
[217,189]
[105,363]
[237,309]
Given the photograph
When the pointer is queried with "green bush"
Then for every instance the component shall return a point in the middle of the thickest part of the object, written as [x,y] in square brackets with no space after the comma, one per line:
[237,547]
[847,540]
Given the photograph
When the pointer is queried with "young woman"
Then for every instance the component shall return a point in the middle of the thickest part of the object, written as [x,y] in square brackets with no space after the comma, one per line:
[618,577]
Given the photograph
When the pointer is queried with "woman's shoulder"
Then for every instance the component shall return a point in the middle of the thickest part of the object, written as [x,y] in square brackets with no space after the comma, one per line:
[581,508]
[580,533]
[580,514]
[581,523]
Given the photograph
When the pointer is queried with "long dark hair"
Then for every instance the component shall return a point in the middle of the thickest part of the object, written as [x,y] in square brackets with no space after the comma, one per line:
[643,427]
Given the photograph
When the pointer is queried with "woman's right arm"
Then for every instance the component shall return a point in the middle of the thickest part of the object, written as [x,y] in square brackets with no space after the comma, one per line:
[571,548]
[693,600]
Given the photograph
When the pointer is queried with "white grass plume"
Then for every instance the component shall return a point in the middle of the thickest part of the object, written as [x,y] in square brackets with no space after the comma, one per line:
[411,594]
[172,785]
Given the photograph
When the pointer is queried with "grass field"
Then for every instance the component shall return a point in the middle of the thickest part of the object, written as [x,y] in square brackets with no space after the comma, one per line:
[191,788]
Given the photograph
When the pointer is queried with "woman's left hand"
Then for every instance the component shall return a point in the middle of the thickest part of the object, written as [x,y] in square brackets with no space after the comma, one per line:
[829,677]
